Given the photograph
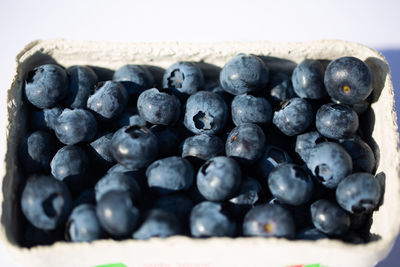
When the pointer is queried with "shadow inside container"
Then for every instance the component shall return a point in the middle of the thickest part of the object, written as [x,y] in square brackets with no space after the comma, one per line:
[12,218]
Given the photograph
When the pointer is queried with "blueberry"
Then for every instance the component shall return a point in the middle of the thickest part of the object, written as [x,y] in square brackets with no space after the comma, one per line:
[45,202]
[100,153]
[178,204]
[117,214]
[82,81]
[202,146]
[294,117]
[248,193]
[36,150]
[306,142]
[159,106]
[290,184]
[272,157]
[336,121]
[118,168]
[348,80]
[134,147]
[169,175]
[168,139]
[243,74]
[83,225]
[70,165]
[361,154]
[184,78]
[128,118]
[359,193]
[246,143]
[308,79]
[269,220]
[250,109]
[158,223]
[135,78]
[117,182]
[75,126]
[329,218]
[108,101]
[280,89]
[206,112]
[209,219]
[46,86]
[310,234]
[330,163]
[219,178]
[44,119]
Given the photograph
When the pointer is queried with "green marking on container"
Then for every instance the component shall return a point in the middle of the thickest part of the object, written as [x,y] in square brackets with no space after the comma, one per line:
[315,265]
[112,265]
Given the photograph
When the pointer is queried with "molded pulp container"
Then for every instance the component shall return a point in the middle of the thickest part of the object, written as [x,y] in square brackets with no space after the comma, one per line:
[214,252]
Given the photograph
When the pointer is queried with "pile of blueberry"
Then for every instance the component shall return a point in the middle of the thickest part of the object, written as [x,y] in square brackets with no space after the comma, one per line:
[258,153]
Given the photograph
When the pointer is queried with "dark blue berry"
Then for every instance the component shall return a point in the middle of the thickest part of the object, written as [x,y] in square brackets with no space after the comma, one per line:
[294,117]
[248,193]
[336,121]
[310,234]
[246,143]
[158,223]
[46,86]
[329,163]
[290,184]
[75,126]
[134,147]
[206,112]
[44,119]
[36,151]
[158,107]
[359,193]
[202,146]
[269,220]
[243,74]
[82,81]
[329,218]
[306,142]
[184,78]
[134,78]
[272,157]
[348,80]
[117,213]
[250,109]
[45,202]
[308,79]
[83,225]
[70,165]
[362,155]
[100,153]
[209,219]
[169,175]
[219,178]
[129,118]
[280,89]
[117,182]
[108,101]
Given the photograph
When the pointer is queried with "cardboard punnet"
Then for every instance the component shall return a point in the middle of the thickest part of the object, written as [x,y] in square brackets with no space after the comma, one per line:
[183,251]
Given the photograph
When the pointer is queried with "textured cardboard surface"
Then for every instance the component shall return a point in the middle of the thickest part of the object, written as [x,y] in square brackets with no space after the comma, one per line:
[183,251]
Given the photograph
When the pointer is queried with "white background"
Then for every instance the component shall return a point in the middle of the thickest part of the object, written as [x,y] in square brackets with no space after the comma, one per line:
[374,23]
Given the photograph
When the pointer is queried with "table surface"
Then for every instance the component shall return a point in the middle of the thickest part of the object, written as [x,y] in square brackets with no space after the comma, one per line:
[369,22]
